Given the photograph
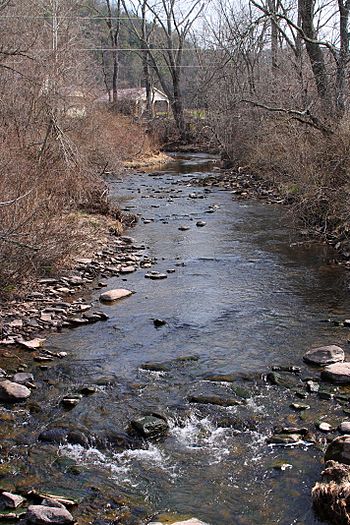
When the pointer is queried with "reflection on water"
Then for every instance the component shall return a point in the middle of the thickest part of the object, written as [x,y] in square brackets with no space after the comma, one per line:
[243,298]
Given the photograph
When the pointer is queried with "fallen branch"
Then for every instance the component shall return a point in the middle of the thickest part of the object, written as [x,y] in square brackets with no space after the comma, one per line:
[305,117]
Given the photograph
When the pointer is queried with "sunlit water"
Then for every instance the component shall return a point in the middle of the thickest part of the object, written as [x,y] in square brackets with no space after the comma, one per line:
[243,297]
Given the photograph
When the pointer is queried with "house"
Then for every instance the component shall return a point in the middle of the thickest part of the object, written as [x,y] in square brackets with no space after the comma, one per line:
[137,97]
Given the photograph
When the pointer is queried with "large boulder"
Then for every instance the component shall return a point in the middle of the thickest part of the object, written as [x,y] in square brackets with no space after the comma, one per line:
[11,392]
[325,355]
[114,295]
[339,450]
[337,373]
[46,515]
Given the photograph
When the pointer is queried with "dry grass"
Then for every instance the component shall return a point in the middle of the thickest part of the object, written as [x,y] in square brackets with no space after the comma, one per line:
[40,229]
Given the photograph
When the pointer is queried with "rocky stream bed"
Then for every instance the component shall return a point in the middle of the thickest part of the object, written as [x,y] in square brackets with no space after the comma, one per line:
[169,379]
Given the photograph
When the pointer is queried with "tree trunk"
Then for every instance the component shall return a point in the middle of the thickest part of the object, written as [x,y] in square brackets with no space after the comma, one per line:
[315,53]
[343,58]
[145,62]
[177,108]
[274,36]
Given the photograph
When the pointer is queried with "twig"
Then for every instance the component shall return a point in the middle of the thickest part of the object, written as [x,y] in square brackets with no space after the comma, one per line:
[8,203]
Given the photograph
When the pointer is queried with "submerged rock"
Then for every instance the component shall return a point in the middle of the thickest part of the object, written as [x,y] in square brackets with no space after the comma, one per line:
[337,373]
[191,521]
[114,295]
[56,436]
[214,400]
[325,355]
[284,439]
[159,322]
[150,426]
[13,392]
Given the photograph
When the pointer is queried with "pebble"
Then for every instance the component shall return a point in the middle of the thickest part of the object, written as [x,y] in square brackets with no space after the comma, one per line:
[324,427]
[300,406]
[200,224]
[156,276]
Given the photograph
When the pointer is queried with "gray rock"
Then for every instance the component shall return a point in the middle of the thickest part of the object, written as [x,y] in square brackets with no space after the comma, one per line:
[150,426]
[324,427]
[11,501]
[54,435]
[114,295]
[284,439]
[23,378]
[13,392]
[337,373]
[43,515]
[344,427]
[339,450]
[325,355]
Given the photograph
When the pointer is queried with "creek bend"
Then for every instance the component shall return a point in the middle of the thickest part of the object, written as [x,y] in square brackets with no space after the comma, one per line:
[243,298]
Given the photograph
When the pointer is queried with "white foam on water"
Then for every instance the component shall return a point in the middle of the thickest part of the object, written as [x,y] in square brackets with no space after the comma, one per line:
[202,435]
[120,465]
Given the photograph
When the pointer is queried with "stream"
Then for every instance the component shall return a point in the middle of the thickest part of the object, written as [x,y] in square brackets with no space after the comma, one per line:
[244,296]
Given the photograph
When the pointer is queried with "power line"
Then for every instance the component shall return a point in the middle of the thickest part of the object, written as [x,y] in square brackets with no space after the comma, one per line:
[78,17]
[138,49]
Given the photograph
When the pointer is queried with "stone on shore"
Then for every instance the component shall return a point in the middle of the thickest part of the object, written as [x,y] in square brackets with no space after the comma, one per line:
[46,515]
[23,378]
[13,392]
[11,501]
[337,373]
[33,344]
[325,355]
[344,427]
[339,450]
[114,295]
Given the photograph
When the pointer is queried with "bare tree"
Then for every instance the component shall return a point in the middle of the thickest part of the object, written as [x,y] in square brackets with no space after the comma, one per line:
[164,52]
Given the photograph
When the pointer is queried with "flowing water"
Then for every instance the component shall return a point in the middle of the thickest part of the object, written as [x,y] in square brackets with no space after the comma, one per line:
[244,297]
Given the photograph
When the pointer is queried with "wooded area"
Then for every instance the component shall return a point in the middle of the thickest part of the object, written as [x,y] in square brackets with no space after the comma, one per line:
[265,81]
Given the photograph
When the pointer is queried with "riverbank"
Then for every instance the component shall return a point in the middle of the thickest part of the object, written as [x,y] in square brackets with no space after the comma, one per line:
[245,185]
